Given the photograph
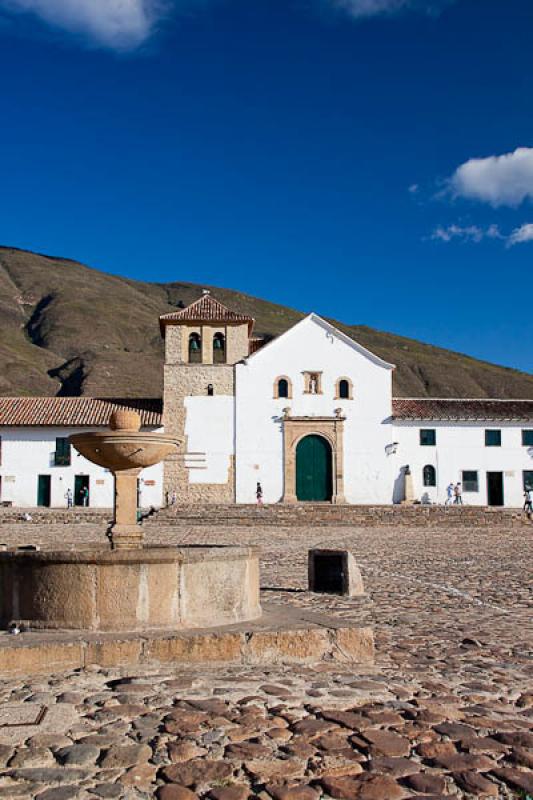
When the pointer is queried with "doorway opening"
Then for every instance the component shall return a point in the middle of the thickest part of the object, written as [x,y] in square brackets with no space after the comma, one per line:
[81,490]
[495,489]
[44,490]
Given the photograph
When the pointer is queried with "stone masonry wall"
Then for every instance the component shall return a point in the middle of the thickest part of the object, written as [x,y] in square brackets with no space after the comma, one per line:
[237,343]
[173,344]
[186,380]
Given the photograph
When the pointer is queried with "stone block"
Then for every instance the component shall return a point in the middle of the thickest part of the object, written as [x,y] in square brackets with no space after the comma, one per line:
[219,592]
[195,649]
[113,653]
[49,658]
[334,572]
[354,645]
[275,646]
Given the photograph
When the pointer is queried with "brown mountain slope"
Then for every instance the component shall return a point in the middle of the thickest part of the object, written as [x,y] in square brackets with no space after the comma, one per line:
[68,329]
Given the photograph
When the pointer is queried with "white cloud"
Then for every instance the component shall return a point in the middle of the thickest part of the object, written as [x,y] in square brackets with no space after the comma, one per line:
[125,24]
[119,24]
[369,8]
[505,180]
[413,188]
[520,235]
[372,8]
[476,234]
[469,233]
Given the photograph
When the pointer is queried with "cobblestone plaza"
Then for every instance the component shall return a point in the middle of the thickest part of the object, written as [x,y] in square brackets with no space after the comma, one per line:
[445,711]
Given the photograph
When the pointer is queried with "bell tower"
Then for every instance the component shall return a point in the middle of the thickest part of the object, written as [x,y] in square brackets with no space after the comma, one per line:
[206,332]
[203,342]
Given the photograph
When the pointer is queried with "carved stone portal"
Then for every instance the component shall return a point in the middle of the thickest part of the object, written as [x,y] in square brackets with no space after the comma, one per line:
[295,429]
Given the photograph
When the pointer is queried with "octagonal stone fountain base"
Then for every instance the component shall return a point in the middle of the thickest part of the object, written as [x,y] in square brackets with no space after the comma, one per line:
[130,590]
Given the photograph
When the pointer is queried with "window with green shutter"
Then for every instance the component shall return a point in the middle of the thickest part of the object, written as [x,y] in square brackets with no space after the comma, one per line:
[62,454]
[428,437]
[528,479]
[493,438]
[527,438]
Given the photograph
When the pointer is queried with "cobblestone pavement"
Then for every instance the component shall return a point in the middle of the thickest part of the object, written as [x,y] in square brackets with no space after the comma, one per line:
[446,711]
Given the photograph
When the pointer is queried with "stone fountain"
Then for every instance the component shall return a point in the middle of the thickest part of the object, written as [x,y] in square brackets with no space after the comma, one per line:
[125,451]
[128,586]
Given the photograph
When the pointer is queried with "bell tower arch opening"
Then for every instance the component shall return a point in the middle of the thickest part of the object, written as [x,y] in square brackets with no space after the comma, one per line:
[195,348]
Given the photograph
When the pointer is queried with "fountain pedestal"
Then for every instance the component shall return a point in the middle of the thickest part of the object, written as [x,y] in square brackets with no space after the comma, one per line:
[126,533]
[125,451]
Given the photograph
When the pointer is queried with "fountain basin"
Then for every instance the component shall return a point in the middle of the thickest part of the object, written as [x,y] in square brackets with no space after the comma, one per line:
[123,449]
[130,590]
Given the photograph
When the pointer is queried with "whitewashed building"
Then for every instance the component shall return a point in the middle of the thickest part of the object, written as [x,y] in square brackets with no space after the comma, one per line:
[309,415]
[37,464]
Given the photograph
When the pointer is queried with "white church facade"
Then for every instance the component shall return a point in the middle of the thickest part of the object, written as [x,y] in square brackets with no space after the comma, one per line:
[309,415]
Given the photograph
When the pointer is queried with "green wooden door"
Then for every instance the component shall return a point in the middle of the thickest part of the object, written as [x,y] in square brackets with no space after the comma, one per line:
[313,469]
[43,490]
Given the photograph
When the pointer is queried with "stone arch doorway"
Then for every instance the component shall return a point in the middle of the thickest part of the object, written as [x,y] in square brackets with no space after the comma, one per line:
[314,473]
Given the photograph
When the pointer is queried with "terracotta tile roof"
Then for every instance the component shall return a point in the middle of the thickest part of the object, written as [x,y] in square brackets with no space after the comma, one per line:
[205,309]
[452,409]
[75,411]
[256,343]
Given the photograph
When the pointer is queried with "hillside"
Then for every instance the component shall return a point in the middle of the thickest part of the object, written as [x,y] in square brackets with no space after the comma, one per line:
[67,329]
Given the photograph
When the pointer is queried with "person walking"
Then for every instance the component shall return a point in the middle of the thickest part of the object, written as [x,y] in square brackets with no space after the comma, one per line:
[449,495]
[259,494]
[528,500]
[69,498]
[458,492]
[85,497]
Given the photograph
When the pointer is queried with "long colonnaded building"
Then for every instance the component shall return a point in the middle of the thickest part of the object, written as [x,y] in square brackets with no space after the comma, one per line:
[309,415]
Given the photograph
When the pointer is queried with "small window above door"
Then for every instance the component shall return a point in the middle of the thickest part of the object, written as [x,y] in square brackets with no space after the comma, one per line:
[282,387]
[343,389]
[429,475]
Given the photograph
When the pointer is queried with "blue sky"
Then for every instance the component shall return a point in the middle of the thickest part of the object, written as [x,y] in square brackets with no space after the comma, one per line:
[371,160]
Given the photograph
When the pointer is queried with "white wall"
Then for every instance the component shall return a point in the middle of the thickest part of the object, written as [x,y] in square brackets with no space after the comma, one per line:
[28,452]
[461,446]
[209,428]
[310,346]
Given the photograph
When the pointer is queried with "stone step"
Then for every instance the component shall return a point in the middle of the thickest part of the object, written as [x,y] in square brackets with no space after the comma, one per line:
[282,635]
[316,514]
[322,514]
[51,516]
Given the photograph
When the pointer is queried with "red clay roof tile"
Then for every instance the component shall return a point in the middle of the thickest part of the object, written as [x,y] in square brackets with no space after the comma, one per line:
[455,409]
[205,309]
[75,411]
